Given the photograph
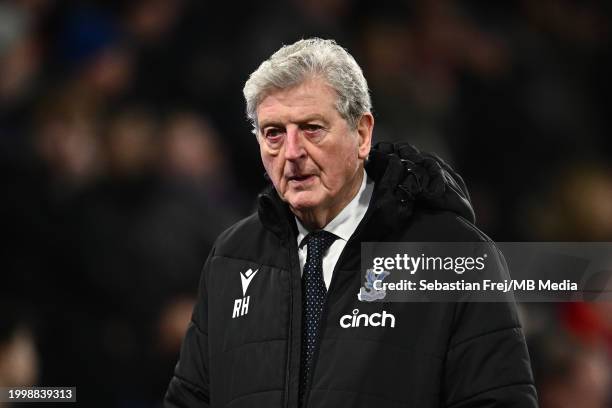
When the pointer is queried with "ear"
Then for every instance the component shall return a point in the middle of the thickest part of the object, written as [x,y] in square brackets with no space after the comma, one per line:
[364,132]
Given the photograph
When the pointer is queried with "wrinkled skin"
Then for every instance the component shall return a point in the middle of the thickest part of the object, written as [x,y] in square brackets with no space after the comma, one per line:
[310,152]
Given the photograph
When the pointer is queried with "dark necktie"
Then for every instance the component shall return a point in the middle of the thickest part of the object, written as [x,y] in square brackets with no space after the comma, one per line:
[313,298]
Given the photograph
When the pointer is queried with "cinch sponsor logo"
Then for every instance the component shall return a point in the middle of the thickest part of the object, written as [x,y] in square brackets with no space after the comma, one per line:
[375,319]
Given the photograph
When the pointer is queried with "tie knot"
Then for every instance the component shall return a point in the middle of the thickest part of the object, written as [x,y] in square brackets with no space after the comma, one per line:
[320,240]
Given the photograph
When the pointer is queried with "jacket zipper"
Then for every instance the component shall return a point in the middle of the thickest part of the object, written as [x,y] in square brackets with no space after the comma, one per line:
[293,265]
[325,310]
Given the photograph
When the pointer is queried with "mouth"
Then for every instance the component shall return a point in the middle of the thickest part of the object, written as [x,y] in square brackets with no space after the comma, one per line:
[300,179]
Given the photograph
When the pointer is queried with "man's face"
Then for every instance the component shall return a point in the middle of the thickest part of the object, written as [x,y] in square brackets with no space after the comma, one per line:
[309,151]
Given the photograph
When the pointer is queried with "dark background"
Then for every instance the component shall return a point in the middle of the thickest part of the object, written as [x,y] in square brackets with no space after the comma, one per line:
[125,150]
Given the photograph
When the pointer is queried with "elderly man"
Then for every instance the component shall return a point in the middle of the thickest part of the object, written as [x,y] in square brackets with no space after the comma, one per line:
[267,331]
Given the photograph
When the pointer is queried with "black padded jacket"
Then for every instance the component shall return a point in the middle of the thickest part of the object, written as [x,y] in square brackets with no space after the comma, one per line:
[452,355]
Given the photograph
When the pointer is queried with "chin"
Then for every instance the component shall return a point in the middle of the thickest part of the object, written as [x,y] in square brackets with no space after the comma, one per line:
[303,201]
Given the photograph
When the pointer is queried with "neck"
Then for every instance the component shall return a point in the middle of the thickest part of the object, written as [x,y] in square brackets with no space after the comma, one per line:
[317,218]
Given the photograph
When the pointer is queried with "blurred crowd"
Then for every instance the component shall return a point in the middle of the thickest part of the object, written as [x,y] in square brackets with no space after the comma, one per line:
[125,151]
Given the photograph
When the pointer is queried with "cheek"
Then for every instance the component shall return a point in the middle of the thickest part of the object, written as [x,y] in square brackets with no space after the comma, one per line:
[273,165]
[266,160]
[340,165]
[346,159]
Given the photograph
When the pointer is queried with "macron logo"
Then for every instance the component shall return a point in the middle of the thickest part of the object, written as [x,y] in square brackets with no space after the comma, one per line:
[246,278]
[241,306]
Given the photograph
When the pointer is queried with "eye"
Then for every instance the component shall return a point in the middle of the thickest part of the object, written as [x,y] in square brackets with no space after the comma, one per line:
[311,128]
[273,134]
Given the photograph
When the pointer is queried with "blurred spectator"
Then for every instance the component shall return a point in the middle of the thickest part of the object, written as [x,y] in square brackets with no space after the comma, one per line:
[192,153]
[131,144]
[192,149]
[576,205]
[569,374]
[93,61]
[18,359]
[19,54]
[149,21]
[18,355]
[66,142]
[591,323]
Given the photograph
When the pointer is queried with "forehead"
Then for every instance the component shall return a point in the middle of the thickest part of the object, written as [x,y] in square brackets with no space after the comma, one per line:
[311,97]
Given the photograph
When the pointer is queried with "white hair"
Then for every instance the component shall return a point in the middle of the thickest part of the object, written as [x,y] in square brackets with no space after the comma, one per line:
[293,64]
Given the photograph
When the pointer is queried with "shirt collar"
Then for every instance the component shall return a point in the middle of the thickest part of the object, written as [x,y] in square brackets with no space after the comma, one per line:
[346,222]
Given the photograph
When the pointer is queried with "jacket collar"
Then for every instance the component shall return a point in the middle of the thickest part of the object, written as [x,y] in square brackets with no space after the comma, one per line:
[278,218]
[402,180]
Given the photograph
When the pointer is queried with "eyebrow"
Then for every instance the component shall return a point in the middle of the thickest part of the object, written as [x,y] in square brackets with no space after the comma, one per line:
[309,118]
[264,125]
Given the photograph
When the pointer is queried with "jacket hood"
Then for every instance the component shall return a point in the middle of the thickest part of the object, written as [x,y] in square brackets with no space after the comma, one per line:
[404,178]
[413,178]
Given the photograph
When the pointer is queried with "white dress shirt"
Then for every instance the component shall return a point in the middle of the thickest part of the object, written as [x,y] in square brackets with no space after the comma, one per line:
[343,226]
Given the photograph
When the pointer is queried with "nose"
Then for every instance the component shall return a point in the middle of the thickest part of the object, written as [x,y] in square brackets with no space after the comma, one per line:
[294,148]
